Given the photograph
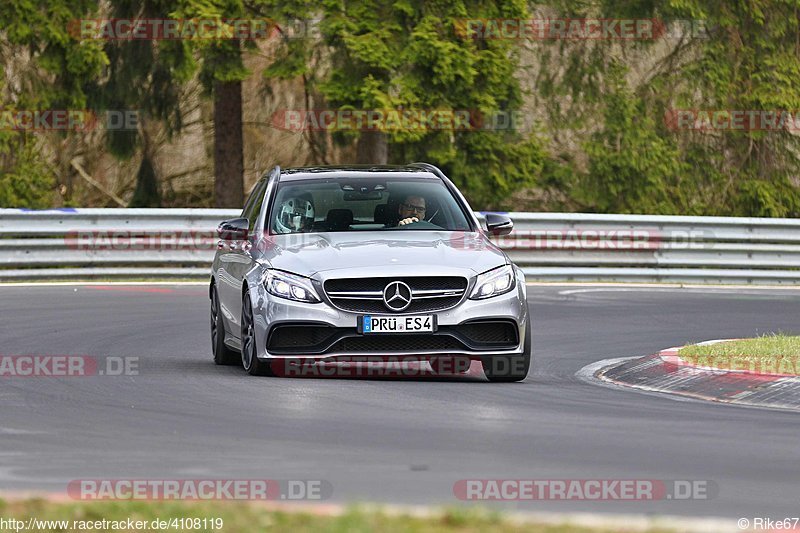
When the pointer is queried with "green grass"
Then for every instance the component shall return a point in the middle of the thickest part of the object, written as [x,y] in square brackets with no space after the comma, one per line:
[775,353]
[253,517]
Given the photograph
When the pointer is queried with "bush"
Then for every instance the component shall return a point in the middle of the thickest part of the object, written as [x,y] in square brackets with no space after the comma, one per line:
[25,180]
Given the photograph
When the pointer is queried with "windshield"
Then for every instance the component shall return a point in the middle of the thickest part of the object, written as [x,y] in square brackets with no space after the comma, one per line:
[365,204]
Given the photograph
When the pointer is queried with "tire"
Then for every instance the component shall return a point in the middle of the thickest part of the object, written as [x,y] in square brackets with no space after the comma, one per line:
[450,365]
[222,354]
[509,368]
[250,360]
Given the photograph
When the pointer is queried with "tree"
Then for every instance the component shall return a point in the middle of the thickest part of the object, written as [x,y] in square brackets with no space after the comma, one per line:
[147,76]
[53,74]
[411,55]
[228,134]
[222,72]
[729,56]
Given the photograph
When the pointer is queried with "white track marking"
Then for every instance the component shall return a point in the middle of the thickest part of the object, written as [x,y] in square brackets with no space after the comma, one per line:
[679,288]
[84,283]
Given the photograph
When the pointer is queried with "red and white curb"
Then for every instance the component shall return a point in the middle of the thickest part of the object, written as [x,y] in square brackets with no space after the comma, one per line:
[666,372]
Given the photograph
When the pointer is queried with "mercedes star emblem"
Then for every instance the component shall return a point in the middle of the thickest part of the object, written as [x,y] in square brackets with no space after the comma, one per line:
[397,296]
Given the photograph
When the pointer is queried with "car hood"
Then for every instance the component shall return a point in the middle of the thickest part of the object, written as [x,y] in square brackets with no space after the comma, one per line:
[408,252]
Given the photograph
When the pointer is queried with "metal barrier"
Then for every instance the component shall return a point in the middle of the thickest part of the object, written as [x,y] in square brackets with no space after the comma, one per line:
[180,243]
[91,243]
[650,248]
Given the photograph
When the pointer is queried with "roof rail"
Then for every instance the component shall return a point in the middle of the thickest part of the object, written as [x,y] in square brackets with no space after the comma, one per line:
[430,167]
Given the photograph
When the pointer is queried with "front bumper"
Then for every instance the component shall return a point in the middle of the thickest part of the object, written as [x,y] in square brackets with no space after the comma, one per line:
[333,335]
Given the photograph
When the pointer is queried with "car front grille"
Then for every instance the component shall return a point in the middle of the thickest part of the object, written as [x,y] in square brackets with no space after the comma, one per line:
[300,337]
[489,332]
[365,295]
[397,343]
[317,339]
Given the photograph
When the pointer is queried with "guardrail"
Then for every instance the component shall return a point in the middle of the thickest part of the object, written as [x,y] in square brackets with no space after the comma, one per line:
[180,243]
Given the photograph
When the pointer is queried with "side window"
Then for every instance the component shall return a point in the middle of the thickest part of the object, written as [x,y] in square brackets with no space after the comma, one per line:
[254,203]
[248,205]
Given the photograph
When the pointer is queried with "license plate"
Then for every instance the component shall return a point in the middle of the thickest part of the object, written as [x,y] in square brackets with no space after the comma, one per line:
[397,324]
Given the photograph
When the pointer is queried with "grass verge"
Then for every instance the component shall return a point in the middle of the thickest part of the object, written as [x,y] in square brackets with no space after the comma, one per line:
[771,354]
[237,517]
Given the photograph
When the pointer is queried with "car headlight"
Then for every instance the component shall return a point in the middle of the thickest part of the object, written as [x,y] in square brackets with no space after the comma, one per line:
[290,286]
[494,283]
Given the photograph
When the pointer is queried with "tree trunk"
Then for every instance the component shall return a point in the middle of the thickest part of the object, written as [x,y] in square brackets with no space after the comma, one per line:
[228,145]
[146,193]
[372,148]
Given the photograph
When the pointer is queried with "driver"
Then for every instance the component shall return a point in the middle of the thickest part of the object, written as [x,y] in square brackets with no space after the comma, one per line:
[411,209]
[296,215]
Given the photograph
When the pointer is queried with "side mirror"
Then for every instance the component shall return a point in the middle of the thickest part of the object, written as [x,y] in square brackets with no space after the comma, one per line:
[497,224]
[236,229]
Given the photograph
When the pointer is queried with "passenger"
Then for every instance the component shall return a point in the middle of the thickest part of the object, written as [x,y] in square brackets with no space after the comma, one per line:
[296,215]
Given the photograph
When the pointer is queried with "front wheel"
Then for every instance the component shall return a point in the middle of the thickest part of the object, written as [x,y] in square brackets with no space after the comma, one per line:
[508,368]
[250,361]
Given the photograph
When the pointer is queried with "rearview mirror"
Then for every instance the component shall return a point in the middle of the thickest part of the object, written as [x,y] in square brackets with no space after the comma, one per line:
[497,224]
[235,229]
[360,196]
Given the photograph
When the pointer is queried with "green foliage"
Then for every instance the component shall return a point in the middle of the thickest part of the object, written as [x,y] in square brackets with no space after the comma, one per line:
[748,59]
[408,55]
[632,169]
[603,113]
[769,198]
[25,181]
[60,68]
[221,59]
[42,28]
[142,75]
[239,516]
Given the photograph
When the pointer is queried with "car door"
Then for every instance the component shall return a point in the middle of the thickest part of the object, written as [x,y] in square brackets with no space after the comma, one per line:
[237,260]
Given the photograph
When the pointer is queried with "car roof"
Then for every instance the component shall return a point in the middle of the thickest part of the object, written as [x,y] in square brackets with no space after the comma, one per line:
[356,172]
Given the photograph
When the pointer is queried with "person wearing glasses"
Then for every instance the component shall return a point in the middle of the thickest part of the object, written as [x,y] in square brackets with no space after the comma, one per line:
[411,209]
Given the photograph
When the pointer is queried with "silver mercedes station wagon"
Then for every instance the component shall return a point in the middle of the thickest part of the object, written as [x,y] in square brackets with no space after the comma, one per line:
[369,263]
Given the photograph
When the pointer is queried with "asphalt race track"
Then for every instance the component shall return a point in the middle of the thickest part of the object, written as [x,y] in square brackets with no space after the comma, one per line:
[401,441]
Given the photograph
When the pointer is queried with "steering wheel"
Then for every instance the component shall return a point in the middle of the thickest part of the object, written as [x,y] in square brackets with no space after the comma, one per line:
[421,224]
